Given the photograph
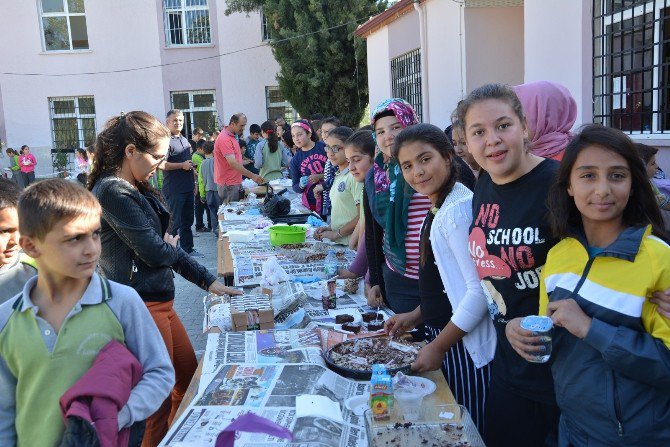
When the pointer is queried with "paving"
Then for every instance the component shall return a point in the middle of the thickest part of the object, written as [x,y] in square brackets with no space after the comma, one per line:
[188,299]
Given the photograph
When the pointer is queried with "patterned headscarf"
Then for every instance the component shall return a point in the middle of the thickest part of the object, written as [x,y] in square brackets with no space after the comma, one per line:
[390,203]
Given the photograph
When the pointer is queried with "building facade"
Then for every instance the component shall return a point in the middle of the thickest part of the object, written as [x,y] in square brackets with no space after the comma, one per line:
[613,56]
[69,65]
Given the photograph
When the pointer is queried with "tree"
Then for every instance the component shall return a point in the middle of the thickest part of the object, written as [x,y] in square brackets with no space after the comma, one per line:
[323,66]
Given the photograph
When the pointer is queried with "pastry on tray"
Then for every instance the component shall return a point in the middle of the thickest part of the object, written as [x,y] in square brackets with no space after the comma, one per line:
[344,318]
[372,316]
[351,327]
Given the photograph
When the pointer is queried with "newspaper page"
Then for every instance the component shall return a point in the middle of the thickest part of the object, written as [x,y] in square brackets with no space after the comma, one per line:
[200,427]
[260,347]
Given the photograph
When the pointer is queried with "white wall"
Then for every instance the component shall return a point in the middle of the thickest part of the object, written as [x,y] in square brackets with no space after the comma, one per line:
[494,45]
[245,75]
[561,53]
[445,83]
[379,66]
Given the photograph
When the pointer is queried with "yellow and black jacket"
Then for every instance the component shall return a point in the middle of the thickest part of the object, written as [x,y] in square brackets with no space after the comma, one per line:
[613,387]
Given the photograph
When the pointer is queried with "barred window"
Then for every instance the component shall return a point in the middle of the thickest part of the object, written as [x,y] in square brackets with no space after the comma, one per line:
[406,79]
[265,27]
[277,105]
[631,65]
[199,109]
[72,122]
[63,25]
[186,22]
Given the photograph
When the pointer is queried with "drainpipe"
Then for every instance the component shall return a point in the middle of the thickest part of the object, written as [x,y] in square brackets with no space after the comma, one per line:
[424,61]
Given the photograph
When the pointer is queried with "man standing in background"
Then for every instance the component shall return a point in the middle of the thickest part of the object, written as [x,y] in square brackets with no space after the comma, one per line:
[228,167]
[179,182]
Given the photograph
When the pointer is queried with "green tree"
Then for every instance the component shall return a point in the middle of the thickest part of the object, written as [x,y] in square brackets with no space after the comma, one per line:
[325,70]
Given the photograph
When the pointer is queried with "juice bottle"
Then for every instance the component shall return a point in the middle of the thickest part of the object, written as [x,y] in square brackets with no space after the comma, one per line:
[381,393]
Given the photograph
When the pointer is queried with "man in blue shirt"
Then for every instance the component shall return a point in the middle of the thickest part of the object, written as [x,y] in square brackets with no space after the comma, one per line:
[179,182]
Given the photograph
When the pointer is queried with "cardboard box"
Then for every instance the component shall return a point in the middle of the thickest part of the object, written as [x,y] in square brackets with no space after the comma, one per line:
[251,312]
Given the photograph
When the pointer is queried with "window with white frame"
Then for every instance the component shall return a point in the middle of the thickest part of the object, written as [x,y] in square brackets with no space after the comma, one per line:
[277,105]
[63,25]
[265,27]
[406,79]
[72,122]
[186,22]
[631,65]
[199,109]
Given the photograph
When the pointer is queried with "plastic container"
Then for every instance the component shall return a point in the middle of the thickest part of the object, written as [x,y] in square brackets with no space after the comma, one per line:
[443,425]
[286,234]
[330,265]
[408,403]
[542,327]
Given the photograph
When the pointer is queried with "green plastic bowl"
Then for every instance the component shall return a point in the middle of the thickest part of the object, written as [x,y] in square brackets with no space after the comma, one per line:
[286,234]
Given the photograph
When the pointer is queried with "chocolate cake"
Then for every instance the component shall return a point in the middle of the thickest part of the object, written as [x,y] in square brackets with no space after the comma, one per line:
[344,318]
[350,286]
[376,325]
[351,327]
[362,353]
[372,316]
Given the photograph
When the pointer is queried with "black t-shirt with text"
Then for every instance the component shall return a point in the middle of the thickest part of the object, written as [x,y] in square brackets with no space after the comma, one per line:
[509,240]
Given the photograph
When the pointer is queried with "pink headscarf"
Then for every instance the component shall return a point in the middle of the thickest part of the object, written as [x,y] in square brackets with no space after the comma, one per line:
[551,112]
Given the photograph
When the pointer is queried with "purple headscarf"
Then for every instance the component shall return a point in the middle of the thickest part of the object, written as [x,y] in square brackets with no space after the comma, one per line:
[551,112]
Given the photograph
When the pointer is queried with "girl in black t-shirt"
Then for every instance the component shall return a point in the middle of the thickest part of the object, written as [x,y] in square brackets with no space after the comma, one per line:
[509,240]
[452,305]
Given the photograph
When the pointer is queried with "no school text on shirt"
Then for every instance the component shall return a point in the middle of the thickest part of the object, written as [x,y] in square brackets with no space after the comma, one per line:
[506,257]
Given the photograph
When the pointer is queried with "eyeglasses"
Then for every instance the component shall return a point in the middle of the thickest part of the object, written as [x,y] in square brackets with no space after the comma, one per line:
[334,149]
[158,158]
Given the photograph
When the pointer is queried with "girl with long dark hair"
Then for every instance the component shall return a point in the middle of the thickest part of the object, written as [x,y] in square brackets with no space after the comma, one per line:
[269,157]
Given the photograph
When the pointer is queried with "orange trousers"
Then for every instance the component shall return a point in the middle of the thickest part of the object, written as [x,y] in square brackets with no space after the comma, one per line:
[183,359]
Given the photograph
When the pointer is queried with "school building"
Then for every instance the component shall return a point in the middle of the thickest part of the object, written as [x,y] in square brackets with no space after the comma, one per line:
[68,65]
[613,56]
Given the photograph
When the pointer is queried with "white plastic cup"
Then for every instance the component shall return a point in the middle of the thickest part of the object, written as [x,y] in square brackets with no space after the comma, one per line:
[408,403]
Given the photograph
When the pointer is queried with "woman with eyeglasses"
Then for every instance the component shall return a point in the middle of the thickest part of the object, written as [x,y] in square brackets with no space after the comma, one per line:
[137,249]
[345,192]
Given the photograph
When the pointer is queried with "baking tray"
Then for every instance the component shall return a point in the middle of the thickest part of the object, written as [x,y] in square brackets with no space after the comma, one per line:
[363,374]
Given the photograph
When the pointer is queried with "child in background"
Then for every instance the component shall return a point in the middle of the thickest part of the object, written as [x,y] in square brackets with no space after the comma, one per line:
[27,162]
[252,143]
[307,163]
[68,313]
[14,166]
[197,158]
[611,356]
[648,156]
[15,268]
[208,193]
[81,165]
[90,154]
[269,157]
[461,148]
[345,194]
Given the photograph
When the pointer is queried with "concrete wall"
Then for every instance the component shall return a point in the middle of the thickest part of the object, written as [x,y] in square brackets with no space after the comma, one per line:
[445,57]
[561,53]
[245,75]
[494,45]
[25,98]
[125,34]
[379,66]
[199,75]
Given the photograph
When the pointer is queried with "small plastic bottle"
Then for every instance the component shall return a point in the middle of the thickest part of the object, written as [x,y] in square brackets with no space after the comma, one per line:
[330,265]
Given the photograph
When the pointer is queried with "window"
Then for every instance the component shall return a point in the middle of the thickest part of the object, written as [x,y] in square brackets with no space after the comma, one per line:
[199,109]
[406,79]
[631,65]
[186,22]
[265,27]
[64,25]
[277,105]
[72,122]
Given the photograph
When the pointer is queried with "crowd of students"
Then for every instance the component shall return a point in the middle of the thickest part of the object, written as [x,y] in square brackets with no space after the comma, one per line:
[461,233]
